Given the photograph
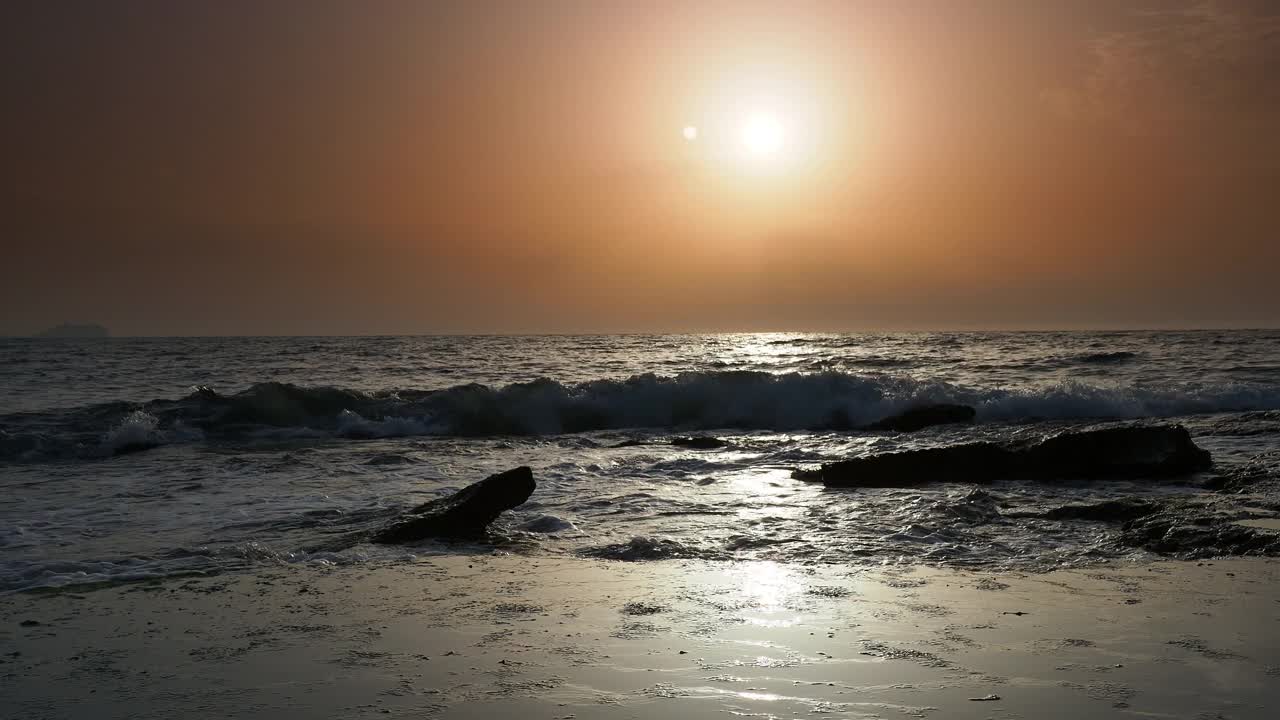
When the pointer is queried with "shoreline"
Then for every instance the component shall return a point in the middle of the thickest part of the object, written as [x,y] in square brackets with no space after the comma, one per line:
[494,635]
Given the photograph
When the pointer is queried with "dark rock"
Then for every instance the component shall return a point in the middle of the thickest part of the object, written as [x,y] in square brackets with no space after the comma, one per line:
[1141,451]
[921,417]
[1187,534]
[1134,451]
[1261,472]
[974,462]
[699,443]
[465,513]
[629,443]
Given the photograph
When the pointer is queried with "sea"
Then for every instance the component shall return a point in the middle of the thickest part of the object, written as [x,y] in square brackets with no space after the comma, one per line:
[125,460]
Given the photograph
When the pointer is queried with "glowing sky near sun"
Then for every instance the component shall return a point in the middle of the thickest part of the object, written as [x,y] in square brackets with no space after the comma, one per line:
[330,167]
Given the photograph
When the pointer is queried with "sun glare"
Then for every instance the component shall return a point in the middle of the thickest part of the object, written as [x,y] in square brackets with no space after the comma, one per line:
[763,126]
[762,135]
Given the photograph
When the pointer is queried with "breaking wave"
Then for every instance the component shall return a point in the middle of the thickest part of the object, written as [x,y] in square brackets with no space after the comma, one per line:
[743,400]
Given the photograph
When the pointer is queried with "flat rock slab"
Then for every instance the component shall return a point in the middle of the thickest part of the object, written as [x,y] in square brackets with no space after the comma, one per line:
[972,462]
[1131,452]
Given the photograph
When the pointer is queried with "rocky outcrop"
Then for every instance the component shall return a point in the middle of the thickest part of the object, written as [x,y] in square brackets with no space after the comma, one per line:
[1259,473]
[972,462]
[923,416]
[465,513]
[1141,451]
[1191,534]
[1134,451]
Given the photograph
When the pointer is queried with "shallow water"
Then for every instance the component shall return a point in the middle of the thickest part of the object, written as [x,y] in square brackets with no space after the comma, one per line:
[115,468]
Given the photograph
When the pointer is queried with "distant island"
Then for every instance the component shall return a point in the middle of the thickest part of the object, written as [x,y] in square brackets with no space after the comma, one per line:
[68,330]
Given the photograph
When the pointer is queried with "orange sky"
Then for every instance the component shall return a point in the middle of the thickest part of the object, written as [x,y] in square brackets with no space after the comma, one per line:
[405,167]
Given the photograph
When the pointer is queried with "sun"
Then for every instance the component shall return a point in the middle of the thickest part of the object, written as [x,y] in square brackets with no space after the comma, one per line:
[763,135]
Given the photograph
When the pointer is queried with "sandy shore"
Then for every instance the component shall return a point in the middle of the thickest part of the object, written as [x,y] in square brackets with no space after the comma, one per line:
[505,636]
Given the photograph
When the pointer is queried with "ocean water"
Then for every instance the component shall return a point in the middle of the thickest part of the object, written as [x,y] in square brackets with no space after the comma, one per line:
[123,459]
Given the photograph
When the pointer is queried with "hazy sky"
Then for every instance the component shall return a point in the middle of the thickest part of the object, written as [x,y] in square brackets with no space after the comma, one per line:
[376,166]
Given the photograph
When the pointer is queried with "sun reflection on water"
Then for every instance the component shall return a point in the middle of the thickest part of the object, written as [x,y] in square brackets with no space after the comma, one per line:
[769,589]
[770,584]
[755,482]
[767,697]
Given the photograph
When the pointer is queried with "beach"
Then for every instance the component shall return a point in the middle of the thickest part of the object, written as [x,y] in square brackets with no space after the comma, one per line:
[501,635]
[571,360]
[706,527]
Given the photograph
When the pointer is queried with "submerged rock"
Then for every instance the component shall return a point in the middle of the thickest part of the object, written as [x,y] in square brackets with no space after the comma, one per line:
[700,443]
[1260,472]
[465,513]
[1135,451]
[923,416]
[1191,535]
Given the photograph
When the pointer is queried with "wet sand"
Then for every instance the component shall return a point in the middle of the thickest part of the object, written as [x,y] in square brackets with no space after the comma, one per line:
[506,636]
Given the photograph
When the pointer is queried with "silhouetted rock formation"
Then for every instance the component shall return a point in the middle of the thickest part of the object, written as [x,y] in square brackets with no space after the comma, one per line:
[919,418]
[67,330]
[1143,451]
[465,513]
[972,462]
[1190,533]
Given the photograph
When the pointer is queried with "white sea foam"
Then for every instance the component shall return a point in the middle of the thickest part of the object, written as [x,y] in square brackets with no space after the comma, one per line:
[140,430]
[353,425]
[797,401]
[548,524]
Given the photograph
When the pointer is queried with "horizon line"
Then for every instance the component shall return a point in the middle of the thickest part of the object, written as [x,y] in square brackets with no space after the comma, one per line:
[659,333]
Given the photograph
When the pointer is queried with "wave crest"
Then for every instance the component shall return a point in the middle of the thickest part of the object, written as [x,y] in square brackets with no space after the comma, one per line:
[743,400]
